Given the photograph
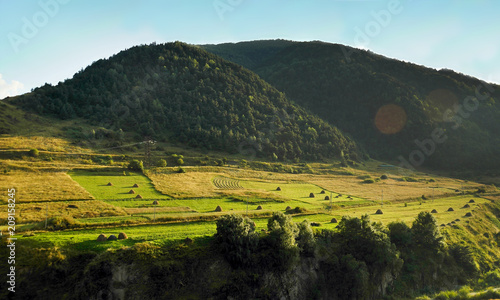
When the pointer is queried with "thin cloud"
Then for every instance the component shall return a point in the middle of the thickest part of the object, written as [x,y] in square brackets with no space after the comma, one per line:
[10,89]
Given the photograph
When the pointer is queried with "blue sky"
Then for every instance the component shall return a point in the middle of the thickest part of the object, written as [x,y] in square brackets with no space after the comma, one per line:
[49,40]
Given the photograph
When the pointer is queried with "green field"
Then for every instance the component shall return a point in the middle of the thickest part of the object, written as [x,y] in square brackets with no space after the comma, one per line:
[96,184]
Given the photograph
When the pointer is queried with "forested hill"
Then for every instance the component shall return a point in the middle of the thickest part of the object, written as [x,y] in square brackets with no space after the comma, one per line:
[385,104]
[183,93]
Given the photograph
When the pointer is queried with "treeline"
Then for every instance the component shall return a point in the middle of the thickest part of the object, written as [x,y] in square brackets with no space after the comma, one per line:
[347,87]
[182,93]
[359,260]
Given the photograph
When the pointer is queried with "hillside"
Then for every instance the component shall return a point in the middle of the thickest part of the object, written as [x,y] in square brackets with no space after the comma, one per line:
[384,104]
[180,93]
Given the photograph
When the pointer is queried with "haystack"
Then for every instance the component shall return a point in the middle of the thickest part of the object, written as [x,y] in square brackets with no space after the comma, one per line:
[288,208]
[468,214]
[122,236]
[72,206]
[135,185]
[434,211]
[218,208]
[457,220]
[109,184]
[472,201]
[101,238]
[451,209]
[278,189]
[340,195]
[138,197]
[311,195]
[112,238]
[466,206]
[334,220]
[188,241]
[156,202]
[442,225]
[327,197]
[131,192]
[379,212]
[322,192]
[259,207]
[337,196]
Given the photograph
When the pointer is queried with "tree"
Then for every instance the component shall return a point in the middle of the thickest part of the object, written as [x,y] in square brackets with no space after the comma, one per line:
[34,153]
[305,238]
[282,246]
[236,238]
[136,165]
[180,161]
[426,234]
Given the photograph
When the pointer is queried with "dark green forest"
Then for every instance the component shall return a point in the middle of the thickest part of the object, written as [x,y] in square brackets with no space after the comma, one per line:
[347,87]
[176,92]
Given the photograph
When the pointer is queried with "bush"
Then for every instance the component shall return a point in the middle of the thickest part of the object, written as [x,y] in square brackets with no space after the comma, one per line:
[181,170]
[136,165]
[34,153]
[58,223]
[368,181]
[162,163]
[236,238]
[383,177]
[180,161]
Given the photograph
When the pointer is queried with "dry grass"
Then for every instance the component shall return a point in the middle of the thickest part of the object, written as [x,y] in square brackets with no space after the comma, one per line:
[147,210]
[197,182]
[43,186]
[36,212]
[51,144]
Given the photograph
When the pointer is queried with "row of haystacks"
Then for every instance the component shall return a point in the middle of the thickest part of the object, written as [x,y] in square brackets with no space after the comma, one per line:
[121,236]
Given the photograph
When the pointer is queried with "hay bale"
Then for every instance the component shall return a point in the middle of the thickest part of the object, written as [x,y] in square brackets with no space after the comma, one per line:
[334,220]
[156,202]
[443,225]
[311,195]
[101,238]
[466,206]
[379,212]
[135,185]
[451,209]
[218,208]
[469,214]
[72,206]
[322,192]
[122,236]
[337,196]
[109,184]
[434,211]
[349,197]
[457,220]
[278,189]
[112,238]
[131,192]
[259,207]
[288,208]
[472,201]
[327,197]
[138,197]
[188,241]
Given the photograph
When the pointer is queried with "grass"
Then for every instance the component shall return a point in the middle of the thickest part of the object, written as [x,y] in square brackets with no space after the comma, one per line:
[43,186]
[96,184]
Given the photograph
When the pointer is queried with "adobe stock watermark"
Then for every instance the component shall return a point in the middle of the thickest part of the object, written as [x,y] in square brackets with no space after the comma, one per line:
[223,6]
[380,20]
[31,26]
[11,240]
[455,115]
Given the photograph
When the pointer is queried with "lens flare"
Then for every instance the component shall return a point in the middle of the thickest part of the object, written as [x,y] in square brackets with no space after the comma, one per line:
[390,119]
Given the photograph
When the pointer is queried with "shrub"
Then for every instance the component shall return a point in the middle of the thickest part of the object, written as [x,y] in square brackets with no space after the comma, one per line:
[181,170]
[383,177]
[180,161]
[162,163]
[34,153]
[236,238]
[58,223]
[136,165]
[369,181]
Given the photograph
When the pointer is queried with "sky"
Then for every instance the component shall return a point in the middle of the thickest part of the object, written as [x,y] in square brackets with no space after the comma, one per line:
[47,41]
